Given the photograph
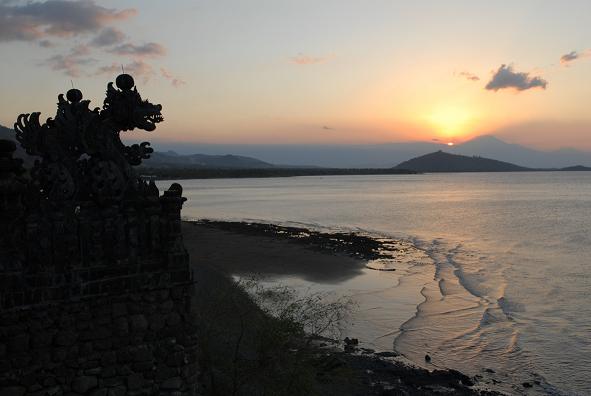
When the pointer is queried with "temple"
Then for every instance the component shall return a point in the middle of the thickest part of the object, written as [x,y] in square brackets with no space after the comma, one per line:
[95,282]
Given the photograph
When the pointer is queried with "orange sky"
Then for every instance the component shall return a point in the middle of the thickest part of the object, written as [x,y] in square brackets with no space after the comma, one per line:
[330,72]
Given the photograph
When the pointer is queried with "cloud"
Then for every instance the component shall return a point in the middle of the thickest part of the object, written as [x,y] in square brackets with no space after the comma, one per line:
[302,59]
[46,44]
[59,18]
[137,68]
[175,81]
[107,37]
[143,50]
[71,63]
[505,77]
[567,59]
[571,56]
[467,75]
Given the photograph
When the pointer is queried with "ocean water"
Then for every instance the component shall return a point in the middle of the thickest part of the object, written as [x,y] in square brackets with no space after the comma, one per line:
[504,287]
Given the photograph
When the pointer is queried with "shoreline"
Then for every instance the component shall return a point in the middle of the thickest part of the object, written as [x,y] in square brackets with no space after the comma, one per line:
[327,258]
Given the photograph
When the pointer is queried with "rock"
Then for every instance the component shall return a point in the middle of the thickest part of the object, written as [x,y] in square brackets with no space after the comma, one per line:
[84,383]
[108,358]
[386,354]
[121,326]
[100,392]
[65,338]
[527,385]
[141,354]
[135,381]
[427,358]
[19,343]
[119,309]
[173,319]
[138,323]
[117,391]
[41,339]
[157,322]
[174,383]
[12,391]
[351,341]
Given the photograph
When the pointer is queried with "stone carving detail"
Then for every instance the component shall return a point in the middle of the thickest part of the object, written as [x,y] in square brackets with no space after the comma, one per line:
[82,156]
[83,206]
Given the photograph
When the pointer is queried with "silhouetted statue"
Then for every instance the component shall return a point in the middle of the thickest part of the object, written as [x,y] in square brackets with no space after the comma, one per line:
[83,204]
[82,156]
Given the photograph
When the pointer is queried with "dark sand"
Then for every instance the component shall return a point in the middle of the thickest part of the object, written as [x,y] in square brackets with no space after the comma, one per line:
[247,250]
[220,249]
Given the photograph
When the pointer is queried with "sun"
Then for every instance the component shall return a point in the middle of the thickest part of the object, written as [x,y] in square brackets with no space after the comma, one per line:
[450,122]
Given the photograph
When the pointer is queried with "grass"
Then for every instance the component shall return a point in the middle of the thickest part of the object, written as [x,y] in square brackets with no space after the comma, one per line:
[256,340]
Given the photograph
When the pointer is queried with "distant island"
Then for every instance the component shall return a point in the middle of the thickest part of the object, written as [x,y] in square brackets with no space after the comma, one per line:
[576,168]
[441,161]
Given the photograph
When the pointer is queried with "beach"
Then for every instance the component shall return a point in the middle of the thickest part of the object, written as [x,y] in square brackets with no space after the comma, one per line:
[222,252]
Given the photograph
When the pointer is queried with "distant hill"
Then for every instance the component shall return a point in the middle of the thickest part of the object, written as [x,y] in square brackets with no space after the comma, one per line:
[171,159]
[8,134]
[386,155]
[472,156]
[440,161]
[492,147]
[576,168]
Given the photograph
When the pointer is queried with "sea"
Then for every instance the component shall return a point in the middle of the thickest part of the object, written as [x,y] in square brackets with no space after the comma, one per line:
[495,279]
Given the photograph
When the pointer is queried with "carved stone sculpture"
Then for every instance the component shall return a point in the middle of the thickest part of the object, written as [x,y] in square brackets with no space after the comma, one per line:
[83,205]
[82,156]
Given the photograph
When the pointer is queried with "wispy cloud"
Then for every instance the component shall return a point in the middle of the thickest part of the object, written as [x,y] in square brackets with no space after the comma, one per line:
[175,81]
[568,59]
[507,78]
[302,59]
[72,62]
[59,18]
[46,43]
[143,50]
[107,37]
[467,75]
[57,23]
[137,68]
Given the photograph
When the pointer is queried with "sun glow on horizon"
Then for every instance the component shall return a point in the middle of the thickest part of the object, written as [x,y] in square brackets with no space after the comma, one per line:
[451,121]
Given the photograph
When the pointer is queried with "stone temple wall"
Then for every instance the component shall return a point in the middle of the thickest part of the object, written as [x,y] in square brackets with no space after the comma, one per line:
[95,282]
[87,309]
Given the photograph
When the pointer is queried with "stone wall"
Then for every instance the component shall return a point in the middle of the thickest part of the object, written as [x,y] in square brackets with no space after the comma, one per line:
[95,298]
[95,282]
[138,343]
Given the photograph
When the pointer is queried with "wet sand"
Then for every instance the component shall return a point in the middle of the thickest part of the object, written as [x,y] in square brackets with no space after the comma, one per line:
[246,249]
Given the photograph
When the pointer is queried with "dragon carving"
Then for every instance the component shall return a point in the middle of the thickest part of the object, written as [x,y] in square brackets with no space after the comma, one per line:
[81,153]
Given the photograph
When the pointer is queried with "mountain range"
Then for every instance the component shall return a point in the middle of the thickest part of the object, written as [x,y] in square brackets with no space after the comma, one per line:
[388,154]
[344,156]
[171,159]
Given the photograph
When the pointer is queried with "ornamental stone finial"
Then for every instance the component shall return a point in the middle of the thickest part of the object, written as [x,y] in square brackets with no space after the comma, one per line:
[82,155]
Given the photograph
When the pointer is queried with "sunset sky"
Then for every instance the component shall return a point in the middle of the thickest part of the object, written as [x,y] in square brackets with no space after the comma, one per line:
[339,72]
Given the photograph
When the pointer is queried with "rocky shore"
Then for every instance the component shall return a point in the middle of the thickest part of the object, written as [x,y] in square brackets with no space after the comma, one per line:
[222,249]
